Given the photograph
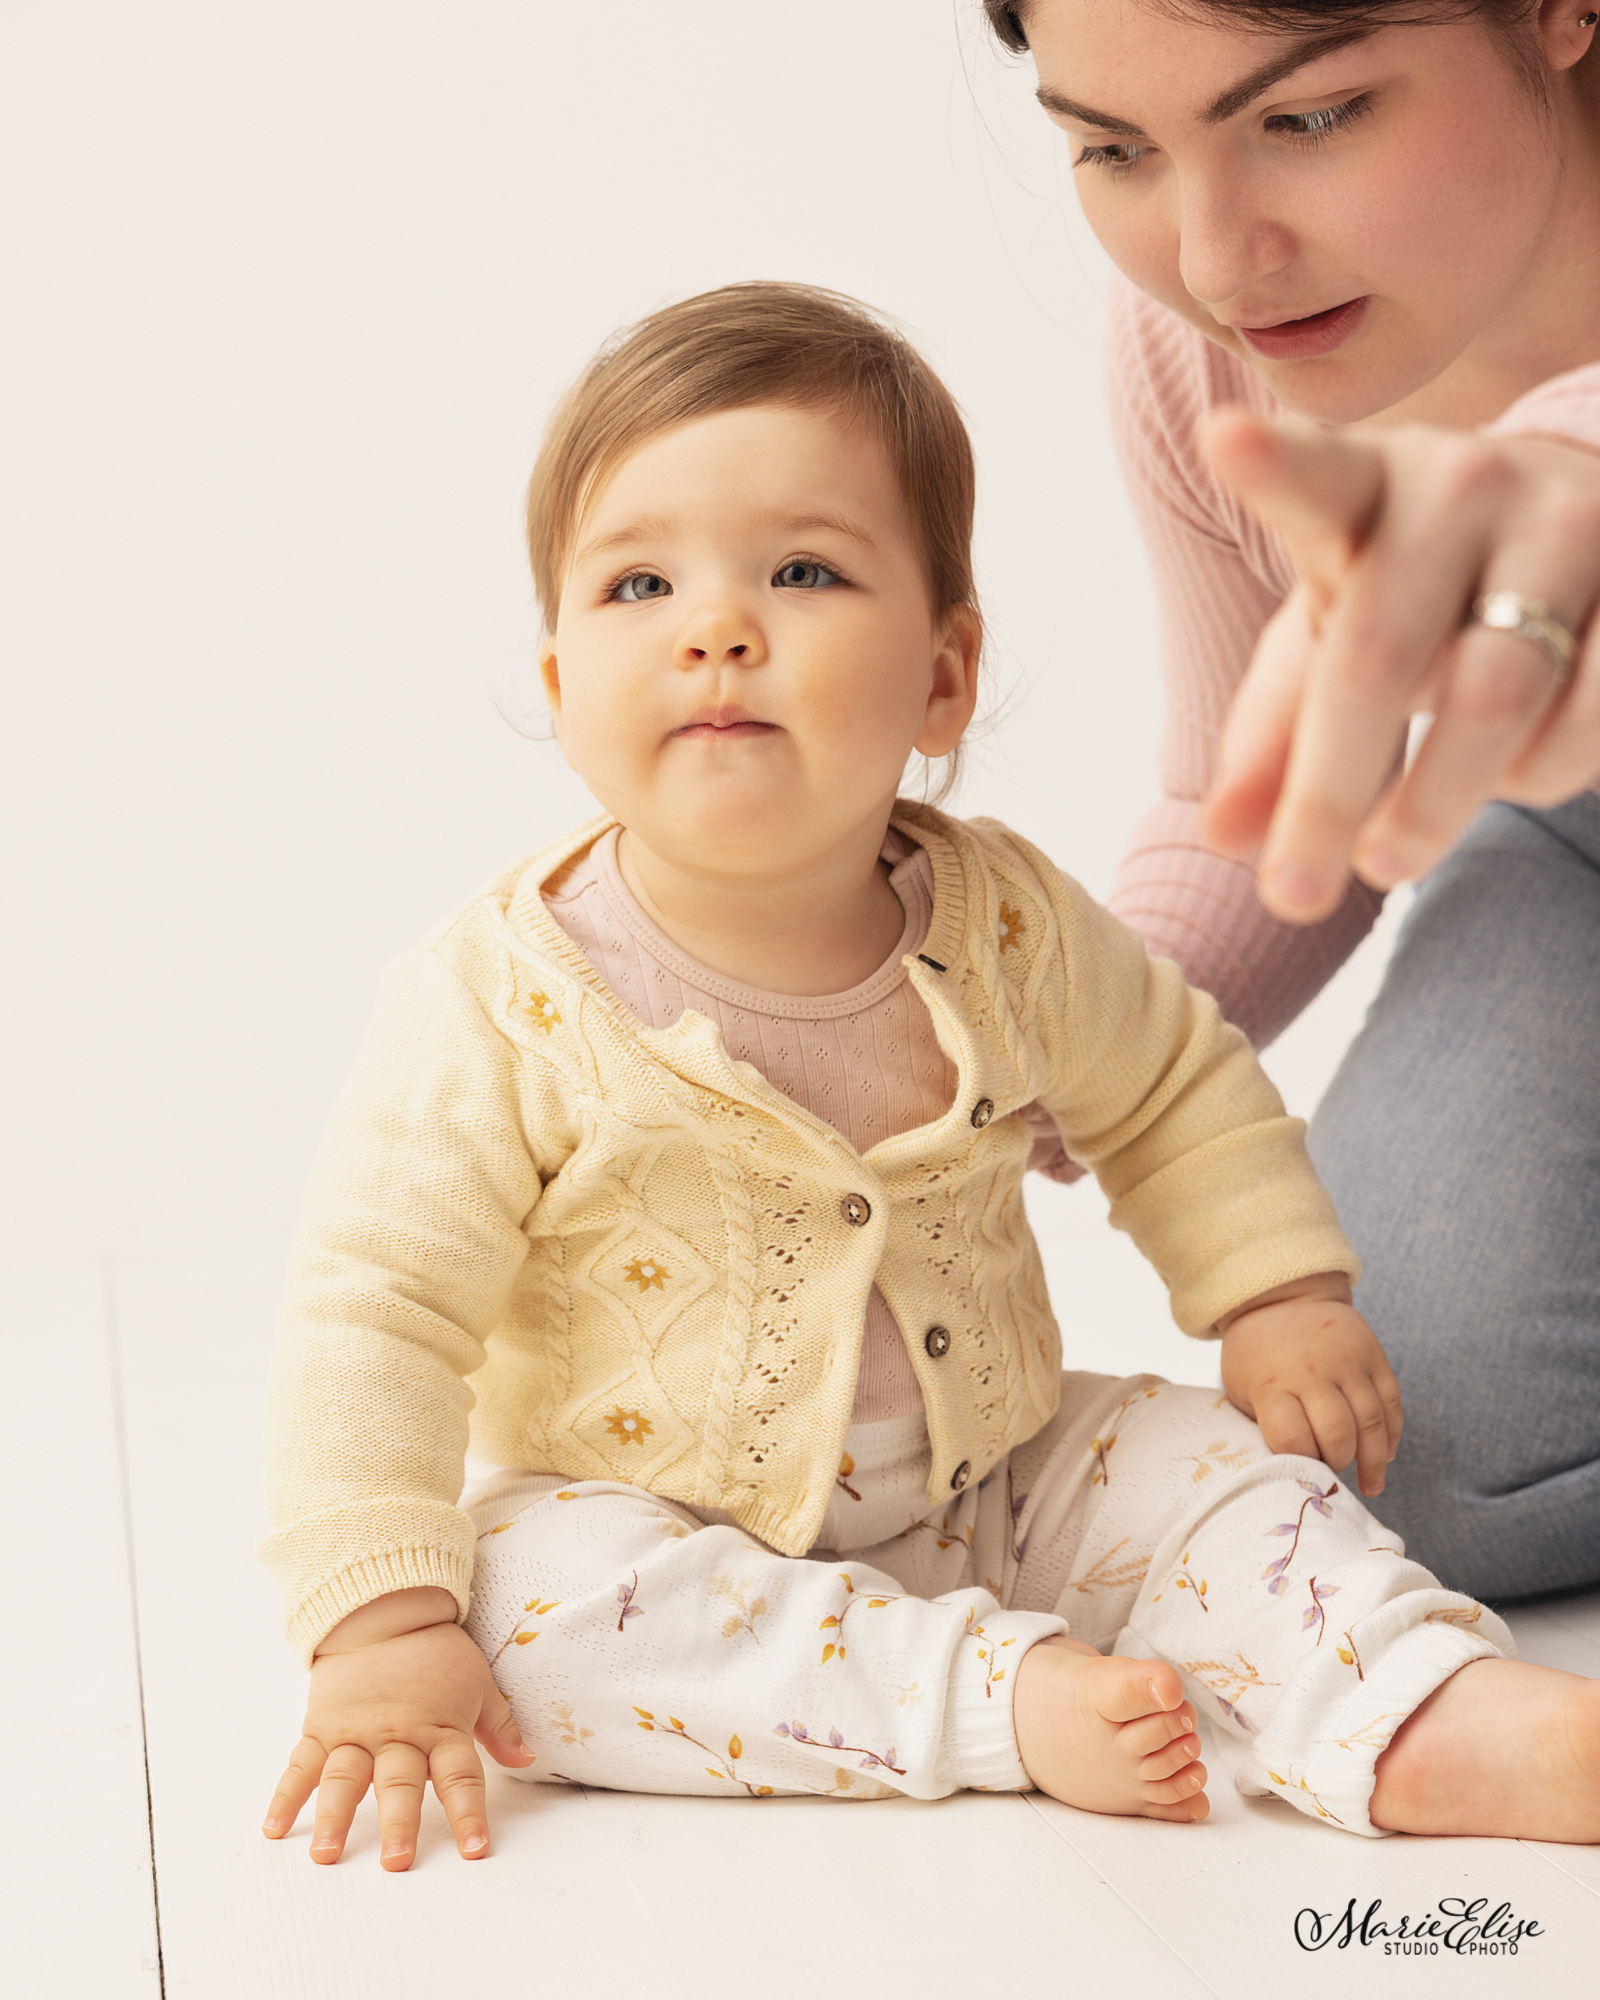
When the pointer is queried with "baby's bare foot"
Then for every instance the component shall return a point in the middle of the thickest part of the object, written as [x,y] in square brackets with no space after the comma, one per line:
[1110,1735]
[1501,1747]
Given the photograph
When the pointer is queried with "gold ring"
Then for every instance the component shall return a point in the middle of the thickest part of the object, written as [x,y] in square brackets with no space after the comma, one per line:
[1526,618]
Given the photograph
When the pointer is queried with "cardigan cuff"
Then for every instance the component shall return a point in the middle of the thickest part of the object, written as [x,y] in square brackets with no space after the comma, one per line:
[375,1576]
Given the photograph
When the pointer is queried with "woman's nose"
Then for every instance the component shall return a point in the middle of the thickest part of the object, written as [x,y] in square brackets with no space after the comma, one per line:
[1226,245]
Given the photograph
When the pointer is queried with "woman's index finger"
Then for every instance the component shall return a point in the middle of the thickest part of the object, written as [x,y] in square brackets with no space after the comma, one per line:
[1319,489]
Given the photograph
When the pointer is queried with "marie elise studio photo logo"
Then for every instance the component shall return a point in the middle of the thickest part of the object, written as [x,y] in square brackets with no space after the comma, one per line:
[1471,1927]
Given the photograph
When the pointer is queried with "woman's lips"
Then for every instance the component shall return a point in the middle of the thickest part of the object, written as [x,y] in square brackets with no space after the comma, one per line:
[1298,339]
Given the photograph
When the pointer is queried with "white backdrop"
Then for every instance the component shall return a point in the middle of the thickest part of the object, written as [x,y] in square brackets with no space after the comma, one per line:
[290,289]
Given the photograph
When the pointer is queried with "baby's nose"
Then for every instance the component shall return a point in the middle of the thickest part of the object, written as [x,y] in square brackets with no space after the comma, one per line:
[728,652]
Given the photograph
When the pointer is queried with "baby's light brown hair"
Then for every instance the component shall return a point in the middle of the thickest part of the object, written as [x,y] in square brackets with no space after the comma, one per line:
[764,342]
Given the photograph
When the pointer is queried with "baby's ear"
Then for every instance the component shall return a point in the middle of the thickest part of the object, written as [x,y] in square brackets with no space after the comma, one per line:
[953,689]
[550,675]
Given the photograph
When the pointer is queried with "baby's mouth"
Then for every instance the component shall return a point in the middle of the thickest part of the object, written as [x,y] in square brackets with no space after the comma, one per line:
[724,723]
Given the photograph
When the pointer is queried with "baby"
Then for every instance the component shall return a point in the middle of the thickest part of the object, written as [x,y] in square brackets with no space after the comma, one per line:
[681,1174]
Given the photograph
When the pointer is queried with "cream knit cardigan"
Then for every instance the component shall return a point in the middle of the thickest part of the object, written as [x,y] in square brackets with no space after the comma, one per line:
[613,1252]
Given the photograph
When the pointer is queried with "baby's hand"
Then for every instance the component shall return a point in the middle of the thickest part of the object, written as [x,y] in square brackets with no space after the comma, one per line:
[1305,1364]
[392,1708]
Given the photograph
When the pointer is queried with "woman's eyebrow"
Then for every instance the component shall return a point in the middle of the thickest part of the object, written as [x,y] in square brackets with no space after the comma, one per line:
[1250,87]
[1308,49]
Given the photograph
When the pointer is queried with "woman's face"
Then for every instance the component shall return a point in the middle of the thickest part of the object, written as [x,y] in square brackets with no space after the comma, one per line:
[1354,214]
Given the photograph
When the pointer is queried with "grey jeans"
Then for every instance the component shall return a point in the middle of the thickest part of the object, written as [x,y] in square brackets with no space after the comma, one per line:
[1461,1142]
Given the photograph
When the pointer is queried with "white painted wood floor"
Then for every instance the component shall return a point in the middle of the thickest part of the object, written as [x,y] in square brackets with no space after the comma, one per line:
[149,1703]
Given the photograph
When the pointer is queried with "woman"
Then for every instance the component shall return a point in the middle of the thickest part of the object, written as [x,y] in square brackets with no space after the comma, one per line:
[1384,218]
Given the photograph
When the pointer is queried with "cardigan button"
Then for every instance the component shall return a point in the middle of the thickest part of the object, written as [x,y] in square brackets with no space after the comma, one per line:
[856,1210]
[937,1341]
[961,1475]
[982,1112]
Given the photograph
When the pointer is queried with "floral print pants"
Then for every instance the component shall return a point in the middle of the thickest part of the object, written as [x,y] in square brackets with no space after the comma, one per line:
[645,1646]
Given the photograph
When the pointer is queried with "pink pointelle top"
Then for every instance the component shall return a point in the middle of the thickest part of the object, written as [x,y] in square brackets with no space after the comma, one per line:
[1219,576]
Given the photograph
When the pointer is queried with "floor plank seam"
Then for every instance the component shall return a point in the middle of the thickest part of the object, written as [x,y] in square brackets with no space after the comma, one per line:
[1542,1850]
[108,1292]
[1066,1840]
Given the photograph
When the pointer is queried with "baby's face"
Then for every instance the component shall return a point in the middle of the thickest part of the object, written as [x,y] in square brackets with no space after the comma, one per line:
[745,655]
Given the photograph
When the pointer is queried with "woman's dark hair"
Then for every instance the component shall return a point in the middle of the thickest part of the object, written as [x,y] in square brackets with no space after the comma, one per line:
[1297,17]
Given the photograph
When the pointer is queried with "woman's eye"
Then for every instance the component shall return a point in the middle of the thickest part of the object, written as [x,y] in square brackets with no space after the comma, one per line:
[802,574]
[639,588]
[1312,127]
[1118,158]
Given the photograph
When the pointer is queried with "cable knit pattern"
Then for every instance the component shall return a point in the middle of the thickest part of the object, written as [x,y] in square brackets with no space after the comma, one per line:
[534,1211]
[1219,576]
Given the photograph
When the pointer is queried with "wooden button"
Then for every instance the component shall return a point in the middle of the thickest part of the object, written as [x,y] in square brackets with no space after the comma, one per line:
[982,1112]
[937,1341]
[961,1475]
[856,1210]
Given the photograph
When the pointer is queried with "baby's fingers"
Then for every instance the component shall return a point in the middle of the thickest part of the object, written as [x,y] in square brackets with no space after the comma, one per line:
[1372,1447]
[399,1777]
[298,1782]
[458,1779]
[497,1731]
[1284,1423]
[1389,1395]
[1336,1426]
[345,1778]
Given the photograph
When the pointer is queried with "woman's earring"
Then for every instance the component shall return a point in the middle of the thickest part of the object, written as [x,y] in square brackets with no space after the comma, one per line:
[1588,20]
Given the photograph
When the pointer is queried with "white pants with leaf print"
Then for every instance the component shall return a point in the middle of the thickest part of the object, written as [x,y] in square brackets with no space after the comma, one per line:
[645,1646]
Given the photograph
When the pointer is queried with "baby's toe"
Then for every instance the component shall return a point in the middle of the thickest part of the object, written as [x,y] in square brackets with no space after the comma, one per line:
[1149,1733]
[1179,1790]
[1125,1690]
[1192,1810]
[1169,1762]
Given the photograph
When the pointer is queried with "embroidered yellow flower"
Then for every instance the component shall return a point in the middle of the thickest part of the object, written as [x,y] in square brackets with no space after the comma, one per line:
[645,1272]
[543,1010]
[629,1426]
[1011,927]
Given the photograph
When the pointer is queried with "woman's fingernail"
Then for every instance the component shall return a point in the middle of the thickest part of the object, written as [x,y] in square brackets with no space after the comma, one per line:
[270,1825]
[394,1847]
[1296,886]
[475,1843]
[1382,870]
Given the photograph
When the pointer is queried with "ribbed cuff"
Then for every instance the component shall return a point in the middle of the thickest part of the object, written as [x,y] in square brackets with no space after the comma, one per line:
[980,1732]
[376,1576]
[1335,1778]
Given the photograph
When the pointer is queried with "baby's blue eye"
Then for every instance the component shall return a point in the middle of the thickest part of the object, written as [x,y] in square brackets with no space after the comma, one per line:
[641,587]
[803,575]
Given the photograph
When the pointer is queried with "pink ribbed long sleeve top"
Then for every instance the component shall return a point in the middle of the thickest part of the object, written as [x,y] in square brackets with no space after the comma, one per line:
[1219,576]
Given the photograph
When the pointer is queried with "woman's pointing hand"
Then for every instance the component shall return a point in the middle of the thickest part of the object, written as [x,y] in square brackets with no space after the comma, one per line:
[1395,534]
